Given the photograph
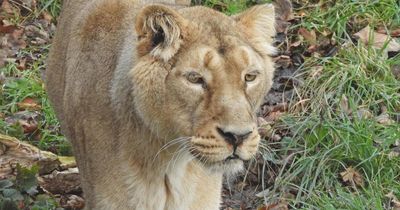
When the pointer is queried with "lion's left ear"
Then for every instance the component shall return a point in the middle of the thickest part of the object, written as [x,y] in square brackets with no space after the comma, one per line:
[159,30]
[258,24]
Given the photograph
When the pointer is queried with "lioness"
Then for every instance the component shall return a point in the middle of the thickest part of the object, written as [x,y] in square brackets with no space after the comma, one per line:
[159,100]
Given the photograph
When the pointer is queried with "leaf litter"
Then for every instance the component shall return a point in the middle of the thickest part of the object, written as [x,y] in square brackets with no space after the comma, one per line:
[294,45]
[378,40]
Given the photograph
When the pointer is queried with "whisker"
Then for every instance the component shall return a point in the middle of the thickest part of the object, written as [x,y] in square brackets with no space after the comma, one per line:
[177,154]
[169,144]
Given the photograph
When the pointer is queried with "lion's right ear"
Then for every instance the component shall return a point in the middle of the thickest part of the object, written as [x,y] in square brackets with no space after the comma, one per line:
[258,24]
[160,30]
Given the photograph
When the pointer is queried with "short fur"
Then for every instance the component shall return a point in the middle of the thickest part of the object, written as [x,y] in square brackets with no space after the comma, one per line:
[144,136]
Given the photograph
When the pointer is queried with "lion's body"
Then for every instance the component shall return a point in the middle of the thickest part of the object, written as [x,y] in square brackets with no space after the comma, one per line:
[98,93]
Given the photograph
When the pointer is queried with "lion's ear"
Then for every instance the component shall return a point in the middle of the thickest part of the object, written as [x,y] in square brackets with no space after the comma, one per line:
[258,24]
[159,31]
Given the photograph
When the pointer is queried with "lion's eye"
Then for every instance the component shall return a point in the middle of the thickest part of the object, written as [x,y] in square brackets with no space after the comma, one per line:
[250,77]
[195,78]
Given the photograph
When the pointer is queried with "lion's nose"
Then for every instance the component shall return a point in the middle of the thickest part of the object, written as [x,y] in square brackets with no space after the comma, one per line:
[235,139]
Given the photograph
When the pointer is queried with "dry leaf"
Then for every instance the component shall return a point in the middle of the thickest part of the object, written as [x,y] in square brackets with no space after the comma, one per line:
[295,44]
[350,175]
[310,36]
[393,199]
[396,71]
[283,9]
[282,61]
[364,114]
[7,7]
[395,33]
[393,154]
[29,127]
[284,13]
[72,202]
[47,17]
[282,205]
[264,128]
[6,28]
[384,119]
[273,116]
[377,40]
[344,105]
[29,104]
[29,4]
[22,64]
[316,71]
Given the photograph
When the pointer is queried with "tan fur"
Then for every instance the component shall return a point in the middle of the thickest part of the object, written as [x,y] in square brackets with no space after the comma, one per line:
[144,136]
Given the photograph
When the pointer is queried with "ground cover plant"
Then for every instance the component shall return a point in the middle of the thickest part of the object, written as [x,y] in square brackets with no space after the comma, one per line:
[330,123]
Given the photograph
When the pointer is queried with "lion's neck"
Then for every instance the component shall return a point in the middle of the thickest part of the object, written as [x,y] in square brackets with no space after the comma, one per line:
[169,178]
[149,153]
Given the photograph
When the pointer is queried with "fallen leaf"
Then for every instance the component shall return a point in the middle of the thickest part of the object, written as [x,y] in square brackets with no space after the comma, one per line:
[393,199]
[310,36]
[344,105]
[316,71]
[283,14]
[282,61]
[22,64]
[301,13]
[47,17]
[7,7]
[29,104]
[393,154]
[326,33]
[72,202]
[282,26]
[282,205]
[295,44]
[283,9]
[29,127]
[29,4]
[350,175]
[273,116]
[364,114]
[6,29]
[378,40]
[395,33]
[384,119]
[396,71]
[264,128]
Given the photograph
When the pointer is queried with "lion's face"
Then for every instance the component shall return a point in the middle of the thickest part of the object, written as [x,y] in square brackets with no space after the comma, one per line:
[215,71]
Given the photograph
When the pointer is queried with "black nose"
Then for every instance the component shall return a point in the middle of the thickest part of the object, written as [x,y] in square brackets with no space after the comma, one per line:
[235,139]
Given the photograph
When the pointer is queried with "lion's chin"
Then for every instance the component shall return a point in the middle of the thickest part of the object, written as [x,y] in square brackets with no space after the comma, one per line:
[229,167]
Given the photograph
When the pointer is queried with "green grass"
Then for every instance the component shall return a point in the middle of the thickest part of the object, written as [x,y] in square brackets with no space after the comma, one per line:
[229,7]
[327,134]
[345,17]
[51,6]
[27,83]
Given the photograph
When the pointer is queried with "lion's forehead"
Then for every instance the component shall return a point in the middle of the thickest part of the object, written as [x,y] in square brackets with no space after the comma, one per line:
[223,58]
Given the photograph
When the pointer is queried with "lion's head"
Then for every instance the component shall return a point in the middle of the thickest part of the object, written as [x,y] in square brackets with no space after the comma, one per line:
[201,74]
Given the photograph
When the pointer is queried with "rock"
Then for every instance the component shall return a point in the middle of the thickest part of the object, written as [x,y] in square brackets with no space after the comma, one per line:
[67,162]
[72,202]
[61,182]
[14,151]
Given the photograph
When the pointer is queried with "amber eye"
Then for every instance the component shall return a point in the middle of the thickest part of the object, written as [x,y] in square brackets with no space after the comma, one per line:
[250,77]
[195,78]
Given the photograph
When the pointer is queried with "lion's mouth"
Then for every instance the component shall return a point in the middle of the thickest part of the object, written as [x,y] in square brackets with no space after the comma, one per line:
[233,157]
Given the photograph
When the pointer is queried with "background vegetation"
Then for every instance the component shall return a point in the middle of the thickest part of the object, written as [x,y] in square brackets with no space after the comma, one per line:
[339,145]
